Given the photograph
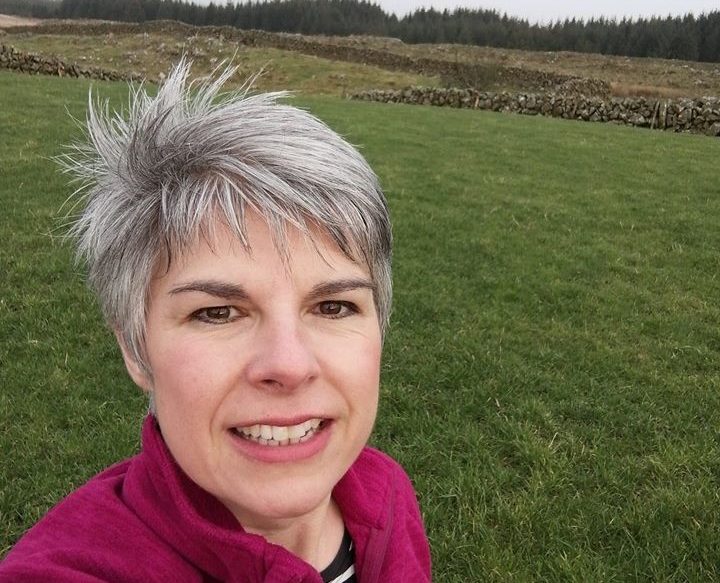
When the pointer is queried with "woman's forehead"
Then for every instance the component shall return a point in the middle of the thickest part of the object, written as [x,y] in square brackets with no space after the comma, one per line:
[260,247]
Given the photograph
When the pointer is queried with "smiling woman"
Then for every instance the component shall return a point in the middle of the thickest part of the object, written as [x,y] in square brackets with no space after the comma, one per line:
[242,343]
[240,251]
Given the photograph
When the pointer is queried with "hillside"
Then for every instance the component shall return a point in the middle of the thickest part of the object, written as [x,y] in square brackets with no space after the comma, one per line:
[319,64]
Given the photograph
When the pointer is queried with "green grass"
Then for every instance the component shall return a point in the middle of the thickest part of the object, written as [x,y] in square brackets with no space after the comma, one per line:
[63,412]
[550,378]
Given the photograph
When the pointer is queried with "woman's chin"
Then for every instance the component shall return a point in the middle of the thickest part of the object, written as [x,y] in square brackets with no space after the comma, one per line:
[269,512]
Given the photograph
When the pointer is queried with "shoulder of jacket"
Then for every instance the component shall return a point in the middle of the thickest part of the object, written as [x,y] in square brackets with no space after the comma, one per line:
[91,536]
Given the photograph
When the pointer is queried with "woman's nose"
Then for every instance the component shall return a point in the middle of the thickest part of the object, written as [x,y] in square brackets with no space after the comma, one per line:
[282,357]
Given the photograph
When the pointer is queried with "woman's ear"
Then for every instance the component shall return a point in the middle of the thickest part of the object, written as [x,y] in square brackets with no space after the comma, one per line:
[136,372]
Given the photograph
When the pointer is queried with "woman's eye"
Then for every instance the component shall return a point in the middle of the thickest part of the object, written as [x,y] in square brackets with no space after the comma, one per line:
[337,309]
[216,314]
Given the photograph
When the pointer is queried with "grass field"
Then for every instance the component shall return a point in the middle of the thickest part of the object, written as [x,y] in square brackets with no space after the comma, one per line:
[551,373]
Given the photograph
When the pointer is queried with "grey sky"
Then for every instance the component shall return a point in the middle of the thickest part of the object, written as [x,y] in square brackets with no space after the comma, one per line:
[536,11]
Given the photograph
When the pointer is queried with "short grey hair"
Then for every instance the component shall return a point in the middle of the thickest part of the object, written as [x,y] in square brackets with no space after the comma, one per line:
[153,178]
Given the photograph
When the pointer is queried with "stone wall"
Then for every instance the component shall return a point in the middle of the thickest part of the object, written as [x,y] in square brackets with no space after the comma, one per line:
[11,58]
[335,48]
[694,115]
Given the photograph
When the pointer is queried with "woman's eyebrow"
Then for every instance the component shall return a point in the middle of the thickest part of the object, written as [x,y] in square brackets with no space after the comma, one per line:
[330,288]
[211,287]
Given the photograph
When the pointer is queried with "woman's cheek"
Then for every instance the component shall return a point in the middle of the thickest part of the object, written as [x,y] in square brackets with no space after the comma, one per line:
[191,368]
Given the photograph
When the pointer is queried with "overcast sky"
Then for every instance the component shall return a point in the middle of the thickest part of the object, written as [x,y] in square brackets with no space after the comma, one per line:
[537,11]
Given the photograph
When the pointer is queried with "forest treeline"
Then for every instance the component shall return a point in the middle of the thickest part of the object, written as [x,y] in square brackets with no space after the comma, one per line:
[689,37]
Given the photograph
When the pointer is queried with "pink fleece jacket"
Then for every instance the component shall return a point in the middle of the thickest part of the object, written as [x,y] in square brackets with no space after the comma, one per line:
[143,521]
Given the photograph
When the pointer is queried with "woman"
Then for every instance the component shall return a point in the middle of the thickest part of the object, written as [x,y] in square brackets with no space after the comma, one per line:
[240,250]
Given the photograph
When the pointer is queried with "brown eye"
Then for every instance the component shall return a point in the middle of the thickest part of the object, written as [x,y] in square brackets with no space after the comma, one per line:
[220,313]
[216,314]
[331,308]
[336,309]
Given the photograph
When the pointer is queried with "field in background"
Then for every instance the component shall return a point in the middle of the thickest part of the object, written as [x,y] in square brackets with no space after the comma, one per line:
[151,55]
[550,379]
[628,76]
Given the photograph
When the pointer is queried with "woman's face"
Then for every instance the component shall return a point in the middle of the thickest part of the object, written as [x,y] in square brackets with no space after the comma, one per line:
[265,373]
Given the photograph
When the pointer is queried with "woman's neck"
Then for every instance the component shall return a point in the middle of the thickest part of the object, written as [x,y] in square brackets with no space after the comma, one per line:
[315,537]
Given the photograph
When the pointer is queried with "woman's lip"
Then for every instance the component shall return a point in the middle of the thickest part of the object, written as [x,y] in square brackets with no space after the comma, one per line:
[283,453]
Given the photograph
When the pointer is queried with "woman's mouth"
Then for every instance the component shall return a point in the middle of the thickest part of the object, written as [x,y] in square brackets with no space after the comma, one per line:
[280,435]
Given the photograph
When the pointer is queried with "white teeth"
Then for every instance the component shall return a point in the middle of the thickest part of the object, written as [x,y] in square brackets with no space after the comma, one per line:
[296,431]
[277,435]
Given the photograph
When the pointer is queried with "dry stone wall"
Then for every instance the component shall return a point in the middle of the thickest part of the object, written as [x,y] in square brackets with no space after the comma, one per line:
[459,73]
[11,58]
[693,115]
